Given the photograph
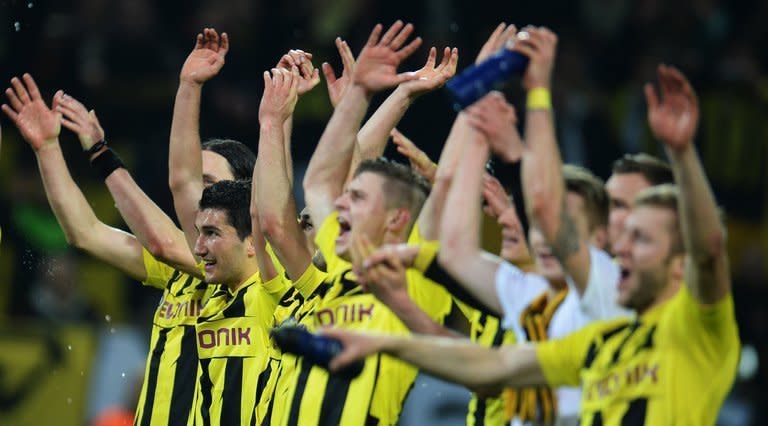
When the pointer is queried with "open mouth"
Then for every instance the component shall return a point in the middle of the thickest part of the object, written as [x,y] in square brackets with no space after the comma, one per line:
[624,274]
[209,264]
[344,227]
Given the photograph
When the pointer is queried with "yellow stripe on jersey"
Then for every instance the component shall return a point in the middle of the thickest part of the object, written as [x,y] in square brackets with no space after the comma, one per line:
[377,394]
[236,356]
[169,379]
[486,330]
[673,365]
[306,298]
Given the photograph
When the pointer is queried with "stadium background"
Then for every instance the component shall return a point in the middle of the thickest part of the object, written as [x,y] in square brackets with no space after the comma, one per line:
[73,331]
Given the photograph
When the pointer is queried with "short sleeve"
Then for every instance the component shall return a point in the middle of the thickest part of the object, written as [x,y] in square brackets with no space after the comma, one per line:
[561,360]
[158,273]
[516,289]
[309,281]
[429,296]
[326,243]
[600,298]
[708,332]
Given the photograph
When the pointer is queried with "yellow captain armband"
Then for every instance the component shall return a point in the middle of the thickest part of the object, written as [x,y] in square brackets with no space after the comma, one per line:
[539,98]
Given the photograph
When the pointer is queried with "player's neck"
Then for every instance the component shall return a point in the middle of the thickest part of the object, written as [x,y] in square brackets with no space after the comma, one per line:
[249,269]
[665,294]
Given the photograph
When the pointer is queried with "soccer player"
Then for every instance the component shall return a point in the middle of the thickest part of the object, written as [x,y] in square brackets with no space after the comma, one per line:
[381,201]
[631,174]
[675,275]
[233,328]
[172,362]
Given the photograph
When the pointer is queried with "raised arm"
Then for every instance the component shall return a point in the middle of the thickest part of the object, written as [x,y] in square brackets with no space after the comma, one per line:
[674,116]
[40,127]
[151,226]
[543,183]
[431,213]
[373,136]
[461,254]
[184,153]
[456,360]
[274,195]
[376,70]
[309,78]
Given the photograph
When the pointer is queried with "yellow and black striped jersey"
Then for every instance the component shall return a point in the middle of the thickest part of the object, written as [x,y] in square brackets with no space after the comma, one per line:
[299,309]
[672,365]
[236,357]
[485,329]
[376,396]
[169,379]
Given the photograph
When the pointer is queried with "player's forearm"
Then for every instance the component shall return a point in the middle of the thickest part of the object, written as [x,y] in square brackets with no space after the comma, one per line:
[153,228]
[274,204]
[375,132]
[455,360]
[543,185]
[287,135]
[327,170]
[702,230]
[460,227]
[185,157]
[185,136]
[431,213]
[72,211]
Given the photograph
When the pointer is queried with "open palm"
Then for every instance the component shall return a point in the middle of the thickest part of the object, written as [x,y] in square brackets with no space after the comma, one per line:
[37,123]
[376,67]
[675,117]
[207,58]
[431,76]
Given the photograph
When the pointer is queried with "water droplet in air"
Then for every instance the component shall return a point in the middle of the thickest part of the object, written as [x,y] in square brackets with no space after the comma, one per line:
[69,347]
[29,5]
[108,318]
[69,400]
[122,374]
[112,330]
[17,26]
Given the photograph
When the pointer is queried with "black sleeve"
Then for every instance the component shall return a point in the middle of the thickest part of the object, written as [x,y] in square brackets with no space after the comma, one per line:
[436,273]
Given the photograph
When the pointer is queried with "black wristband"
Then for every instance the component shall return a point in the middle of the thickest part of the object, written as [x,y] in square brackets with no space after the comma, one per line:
[106,163]
[96,147]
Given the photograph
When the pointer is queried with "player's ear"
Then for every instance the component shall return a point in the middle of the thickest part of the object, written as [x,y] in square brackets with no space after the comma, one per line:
[398,220]
[250,246]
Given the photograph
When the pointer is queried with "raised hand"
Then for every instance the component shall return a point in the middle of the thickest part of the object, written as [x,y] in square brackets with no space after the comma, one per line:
[432,77]
[386,280]
[39,125]
[337,86]
[673,116]
[376,67]
[207,58]
[500,36]
[309,76]
[280,95]
[539,45]
[79,120]
[419,160]
[496,119]
[496,198]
